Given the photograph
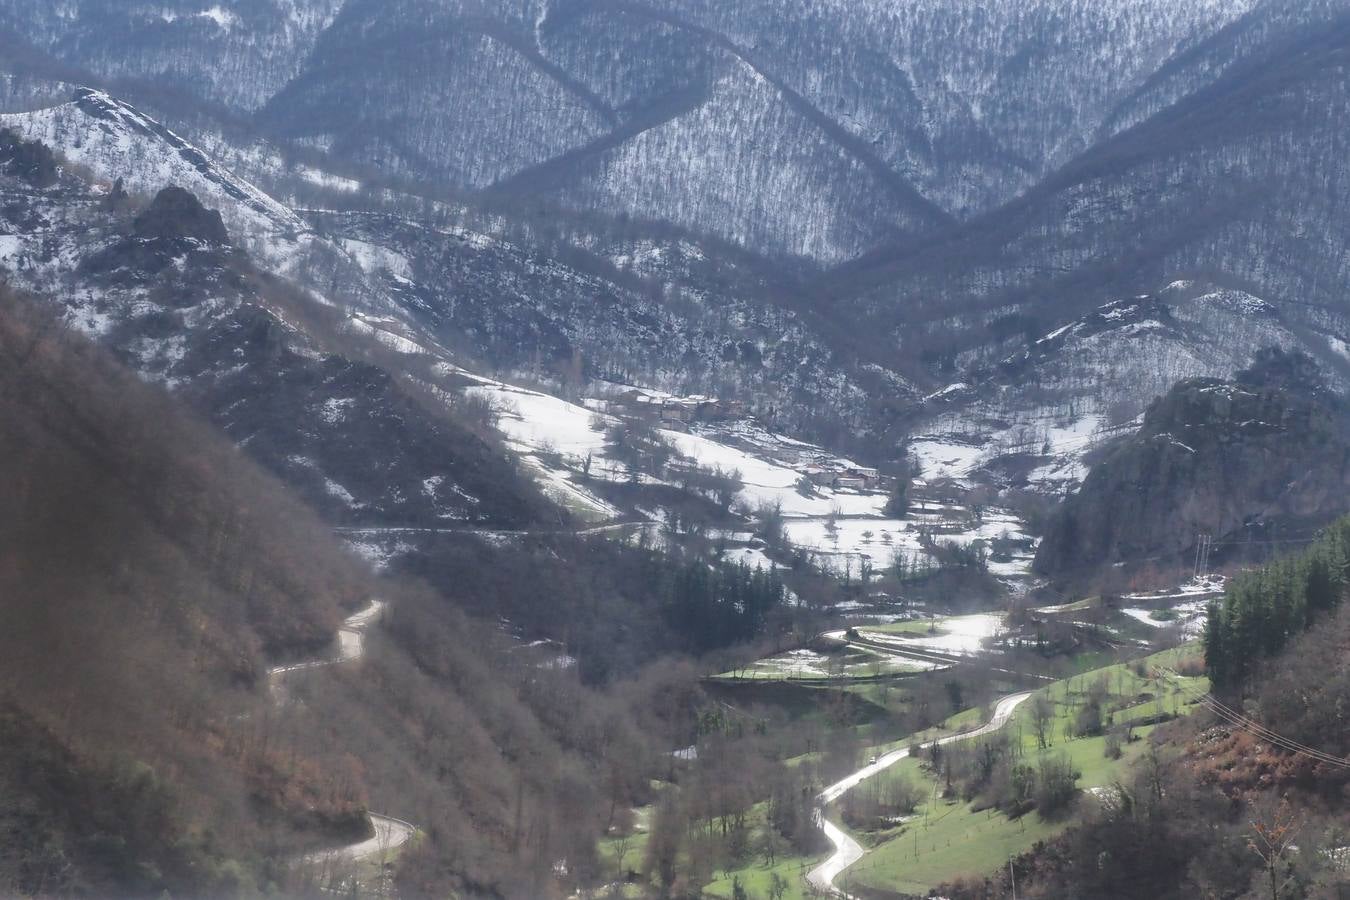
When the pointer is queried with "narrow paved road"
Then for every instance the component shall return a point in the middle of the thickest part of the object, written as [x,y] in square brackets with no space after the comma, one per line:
[351,642]
[496,532]
[847,851]
[389,833]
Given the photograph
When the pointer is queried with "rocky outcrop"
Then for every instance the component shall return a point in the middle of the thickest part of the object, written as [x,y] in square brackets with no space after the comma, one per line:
[32,161]
[176,214]
[1268,452]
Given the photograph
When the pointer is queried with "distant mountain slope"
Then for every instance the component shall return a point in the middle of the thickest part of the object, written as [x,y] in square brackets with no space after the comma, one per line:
[668,314]
[342,415]
[1265,455]
[809,127]
[1032,409]
[1240,182]
[234,54]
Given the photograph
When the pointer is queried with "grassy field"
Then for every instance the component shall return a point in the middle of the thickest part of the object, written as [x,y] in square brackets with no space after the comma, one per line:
[755,878]
[948,839]
[633,850]
[965,720]
[1076,606]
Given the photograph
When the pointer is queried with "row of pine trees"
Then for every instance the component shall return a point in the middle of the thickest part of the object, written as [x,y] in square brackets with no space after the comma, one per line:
[1264,609]
[716,606]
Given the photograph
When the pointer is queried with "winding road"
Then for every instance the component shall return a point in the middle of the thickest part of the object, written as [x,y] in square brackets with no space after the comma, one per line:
[847,851]
[389,833]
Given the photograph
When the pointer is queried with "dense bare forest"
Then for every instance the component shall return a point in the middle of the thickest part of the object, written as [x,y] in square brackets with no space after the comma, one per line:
[151,574]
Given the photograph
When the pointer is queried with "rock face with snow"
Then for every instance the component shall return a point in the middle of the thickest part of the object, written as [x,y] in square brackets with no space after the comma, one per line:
[1266,455]
[177,215]
[279,369]
[1033,418]
[31,161]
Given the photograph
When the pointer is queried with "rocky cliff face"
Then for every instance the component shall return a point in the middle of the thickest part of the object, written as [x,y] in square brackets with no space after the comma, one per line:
[1264,455]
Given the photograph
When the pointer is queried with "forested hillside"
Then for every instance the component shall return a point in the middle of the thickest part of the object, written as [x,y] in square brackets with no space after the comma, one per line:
[152,573]
[149,574]
[1265,610]
[792,129]
[1244,799]
[1241,183]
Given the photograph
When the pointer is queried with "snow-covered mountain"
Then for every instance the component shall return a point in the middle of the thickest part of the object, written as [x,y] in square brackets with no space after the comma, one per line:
[809,127]
[1241,186]
[317,392]
[235,54]
[1026,193]
[666,313]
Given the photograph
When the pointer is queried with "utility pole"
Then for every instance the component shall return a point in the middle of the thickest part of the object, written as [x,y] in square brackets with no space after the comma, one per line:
[1203,544]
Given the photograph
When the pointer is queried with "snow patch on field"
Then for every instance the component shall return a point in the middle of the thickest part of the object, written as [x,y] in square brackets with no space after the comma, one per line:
[958,635]
[372,258]
[224,19]
[536,421]
[379,329]
[752,557]
[769,483]
[1190,616]
[376,552]
[540,427]
[945,457]
[336,490]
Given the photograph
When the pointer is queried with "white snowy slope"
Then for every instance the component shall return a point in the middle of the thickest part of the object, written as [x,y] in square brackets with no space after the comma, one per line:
[115,140]
[843,530]
[111,140]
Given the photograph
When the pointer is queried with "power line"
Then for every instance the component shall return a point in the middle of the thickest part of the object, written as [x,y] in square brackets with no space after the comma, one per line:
[1256,729]
[1262,731]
